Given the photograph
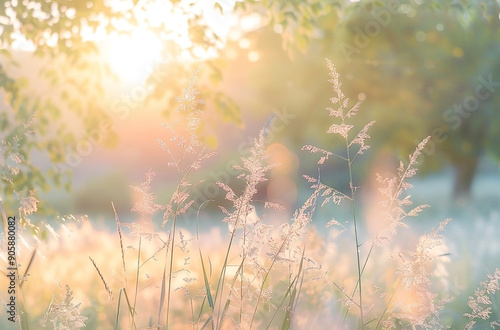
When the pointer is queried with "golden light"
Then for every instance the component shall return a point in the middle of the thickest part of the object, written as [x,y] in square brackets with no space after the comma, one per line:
[132,57]
[253,56]
[244,43]
[282,187]
[133,54]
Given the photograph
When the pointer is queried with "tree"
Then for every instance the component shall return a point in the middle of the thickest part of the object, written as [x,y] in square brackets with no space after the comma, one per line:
[66,39]
[404,58]
[442,69]
[68,36]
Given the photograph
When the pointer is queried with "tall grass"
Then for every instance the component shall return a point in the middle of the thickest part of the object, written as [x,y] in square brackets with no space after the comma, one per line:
[270,275]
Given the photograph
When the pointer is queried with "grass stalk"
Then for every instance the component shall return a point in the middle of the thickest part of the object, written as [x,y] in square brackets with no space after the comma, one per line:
[356,235]
[130,308]
[170,271]
[228,300]
[138,271]
[222,276]
[389,208]
[266,276]
[220,282]
[388,304]
[172,242]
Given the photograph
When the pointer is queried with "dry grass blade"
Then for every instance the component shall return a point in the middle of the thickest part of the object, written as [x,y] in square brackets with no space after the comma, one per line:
[171,267]
[131,310]
[207,322]
[207,283]
[291,292]
[387,306]
[32,258]
[49,309]
[138,271]
[264,281]
[108,290]
[208,295]
[228,300]
[117,322]
[300,274]
[162,290]
[286,295]
[118,227]
[224,312]
[287,322]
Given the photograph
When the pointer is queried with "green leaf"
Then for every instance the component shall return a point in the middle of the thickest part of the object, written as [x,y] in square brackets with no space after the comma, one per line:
[207,283]
[219,7]
[229,109]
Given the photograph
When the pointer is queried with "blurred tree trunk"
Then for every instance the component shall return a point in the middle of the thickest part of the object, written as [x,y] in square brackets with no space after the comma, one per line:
[473,132]
[465,173]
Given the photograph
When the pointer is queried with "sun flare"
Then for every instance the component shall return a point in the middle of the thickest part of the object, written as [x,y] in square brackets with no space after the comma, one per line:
[132,57]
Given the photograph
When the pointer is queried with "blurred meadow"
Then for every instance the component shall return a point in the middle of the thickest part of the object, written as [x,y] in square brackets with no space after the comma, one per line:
[241,164]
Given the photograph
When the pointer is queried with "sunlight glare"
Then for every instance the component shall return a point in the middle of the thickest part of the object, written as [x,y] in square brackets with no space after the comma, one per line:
[253,56]
[132,57]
